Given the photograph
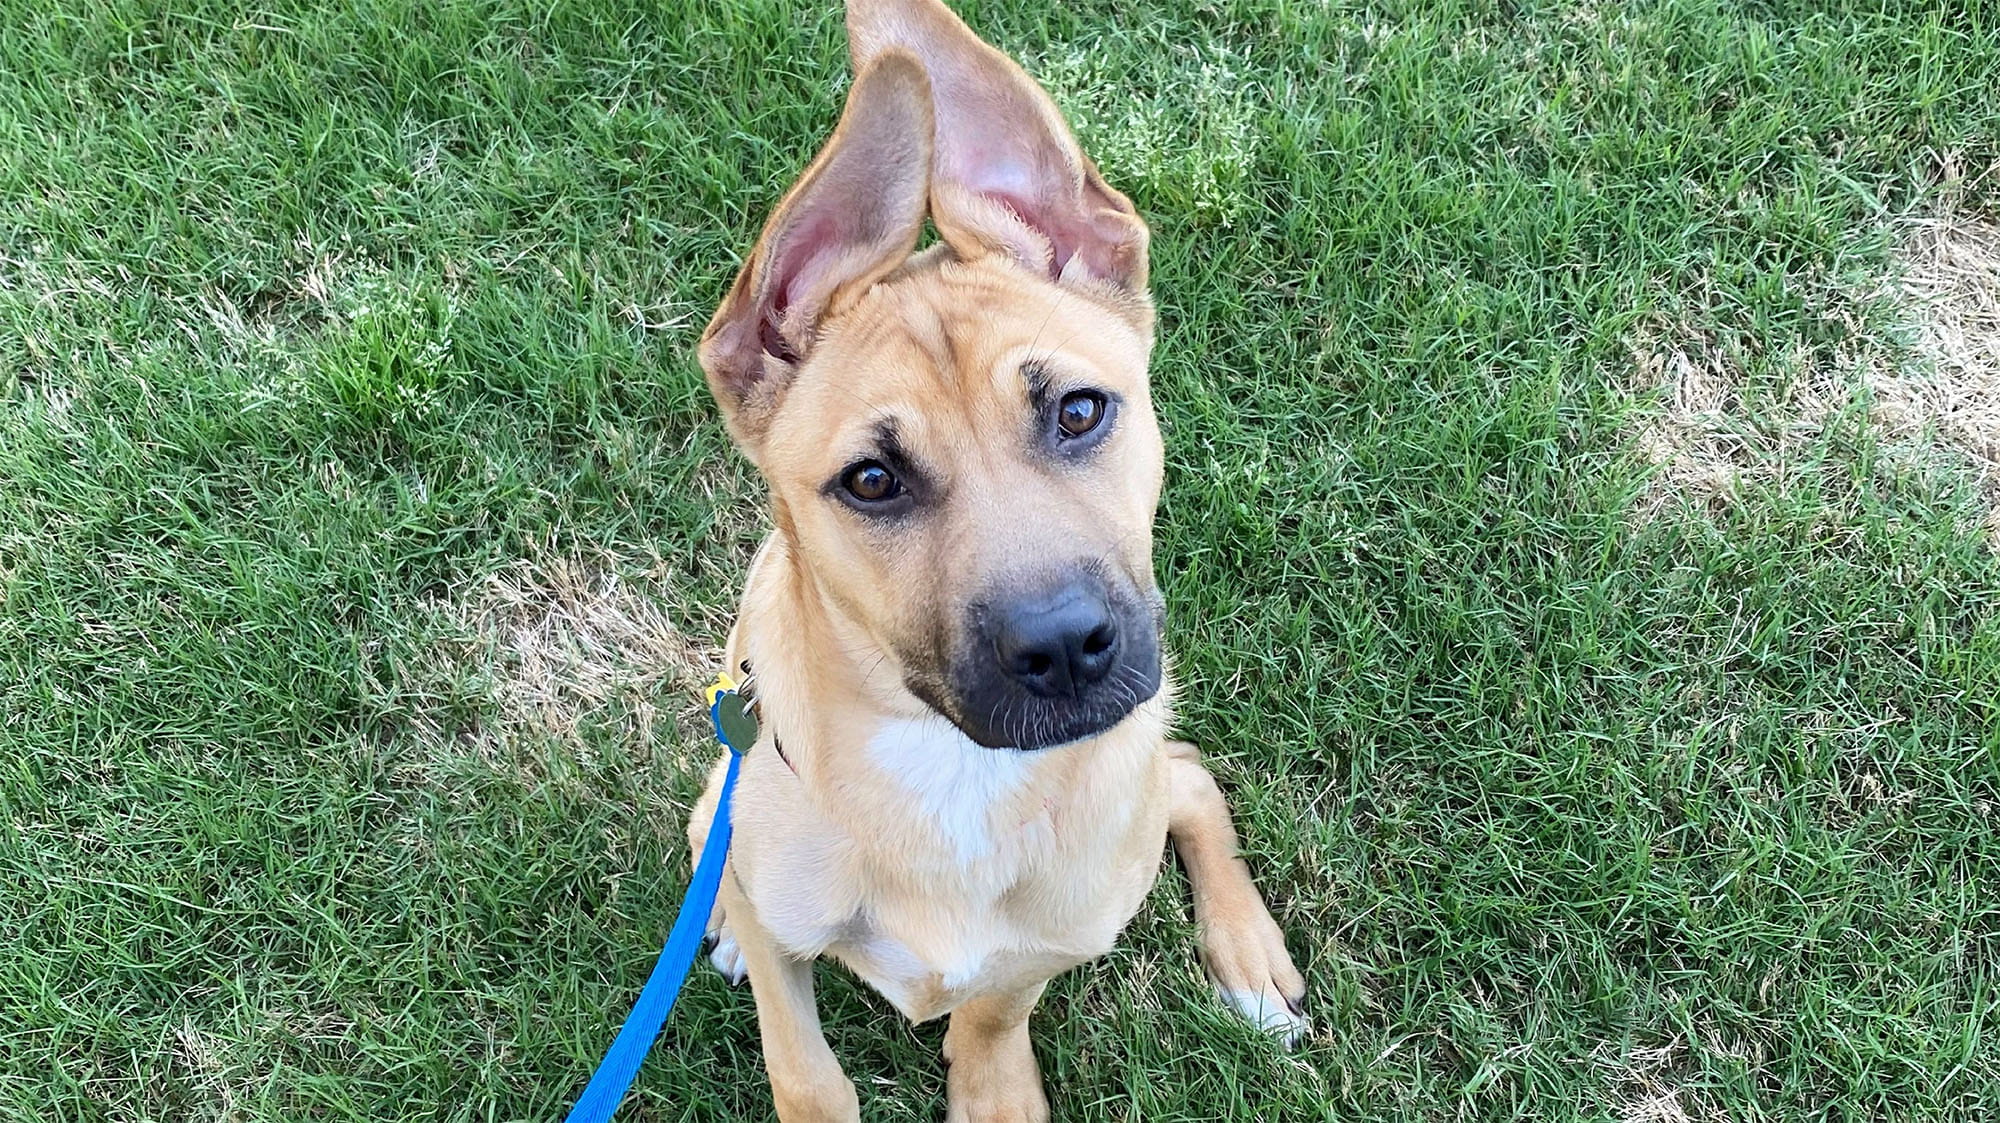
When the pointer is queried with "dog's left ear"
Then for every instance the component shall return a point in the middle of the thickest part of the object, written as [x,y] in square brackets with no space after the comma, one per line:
[852,217]
[1006,175]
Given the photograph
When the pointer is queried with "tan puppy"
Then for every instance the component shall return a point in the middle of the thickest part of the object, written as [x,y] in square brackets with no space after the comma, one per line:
[963,780]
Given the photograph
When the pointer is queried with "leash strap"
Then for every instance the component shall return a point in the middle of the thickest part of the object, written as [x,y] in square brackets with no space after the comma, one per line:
[615,1073]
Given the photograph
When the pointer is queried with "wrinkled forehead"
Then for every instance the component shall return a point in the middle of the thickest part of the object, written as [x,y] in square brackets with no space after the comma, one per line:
[927,364]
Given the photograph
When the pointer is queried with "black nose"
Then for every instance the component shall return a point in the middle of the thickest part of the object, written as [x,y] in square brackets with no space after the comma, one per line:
[1057,645]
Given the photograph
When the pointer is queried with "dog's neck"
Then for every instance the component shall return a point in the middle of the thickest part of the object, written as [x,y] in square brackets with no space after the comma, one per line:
[818,673]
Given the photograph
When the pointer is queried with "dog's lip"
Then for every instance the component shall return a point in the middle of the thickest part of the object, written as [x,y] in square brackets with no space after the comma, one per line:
[923,696]
[1086,734]
[1052,746]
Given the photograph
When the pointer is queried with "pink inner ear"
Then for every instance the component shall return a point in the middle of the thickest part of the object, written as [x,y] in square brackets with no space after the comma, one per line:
[1071,227]
[1032,185]
[799,271]
[772,341]
[993,170]
[997,144]
[851,218]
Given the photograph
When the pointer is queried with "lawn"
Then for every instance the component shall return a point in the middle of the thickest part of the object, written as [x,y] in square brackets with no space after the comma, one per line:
[1582,426]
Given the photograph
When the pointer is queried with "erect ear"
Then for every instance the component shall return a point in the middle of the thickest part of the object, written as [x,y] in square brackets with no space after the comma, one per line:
[1006,175]
[852,217]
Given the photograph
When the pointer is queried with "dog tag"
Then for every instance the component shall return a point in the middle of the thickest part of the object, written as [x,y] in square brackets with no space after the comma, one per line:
[739,729]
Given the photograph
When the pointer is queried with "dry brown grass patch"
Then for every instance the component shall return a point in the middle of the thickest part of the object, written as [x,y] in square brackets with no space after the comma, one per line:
[1948,281]
[1645,1088]
[572,643]
[572,655]
[1930,379]
[214,1066]
[1707,435]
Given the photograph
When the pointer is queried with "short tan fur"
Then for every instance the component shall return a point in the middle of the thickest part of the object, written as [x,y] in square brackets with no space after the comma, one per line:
[953,627]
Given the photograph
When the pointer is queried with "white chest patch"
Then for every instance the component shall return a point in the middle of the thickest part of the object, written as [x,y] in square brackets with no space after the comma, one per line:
[953,781]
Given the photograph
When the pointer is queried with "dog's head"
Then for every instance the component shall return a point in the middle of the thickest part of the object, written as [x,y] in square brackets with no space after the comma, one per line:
[960,443]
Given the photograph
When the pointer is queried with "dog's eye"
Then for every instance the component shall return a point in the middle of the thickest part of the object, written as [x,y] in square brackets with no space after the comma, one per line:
[870,482]
[1080,412]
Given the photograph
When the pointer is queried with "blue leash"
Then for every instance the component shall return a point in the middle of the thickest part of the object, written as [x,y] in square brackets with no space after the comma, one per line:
[614,1074]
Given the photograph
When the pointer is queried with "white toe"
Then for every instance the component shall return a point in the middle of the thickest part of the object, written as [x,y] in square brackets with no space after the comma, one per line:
[728,958]
[1268,1011]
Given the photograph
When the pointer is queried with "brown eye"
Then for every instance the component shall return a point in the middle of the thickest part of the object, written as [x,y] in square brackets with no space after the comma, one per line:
[1080,412]
[870,482]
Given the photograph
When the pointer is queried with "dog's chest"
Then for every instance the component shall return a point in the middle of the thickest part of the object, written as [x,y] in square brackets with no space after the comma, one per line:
[987,910]
[957,791]
[927,970]
[948,870]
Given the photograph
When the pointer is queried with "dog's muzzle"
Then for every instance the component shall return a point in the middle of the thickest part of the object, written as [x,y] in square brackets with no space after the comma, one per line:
[1058,661]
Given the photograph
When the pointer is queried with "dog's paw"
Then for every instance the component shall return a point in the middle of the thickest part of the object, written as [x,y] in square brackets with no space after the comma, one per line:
[1246,958]
[995,1088]
[726,957]
[1281,1017]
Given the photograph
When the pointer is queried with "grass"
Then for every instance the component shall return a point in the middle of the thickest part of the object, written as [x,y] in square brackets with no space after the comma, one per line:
[365,527]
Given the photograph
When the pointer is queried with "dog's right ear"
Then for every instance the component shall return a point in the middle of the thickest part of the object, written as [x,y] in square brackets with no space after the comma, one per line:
[852,217]
[1006,174]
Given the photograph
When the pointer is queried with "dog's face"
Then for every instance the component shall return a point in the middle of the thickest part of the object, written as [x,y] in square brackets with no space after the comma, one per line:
[971,464]
[961,444]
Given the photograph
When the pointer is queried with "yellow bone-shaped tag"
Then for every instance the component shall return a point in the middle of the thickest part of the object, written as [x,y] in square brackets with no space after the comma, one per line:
[723,684]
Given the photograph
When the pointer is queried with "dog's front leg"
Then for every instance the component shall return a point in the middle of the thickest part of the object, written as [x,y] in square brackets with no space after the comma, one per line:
[806,1082]
[993,1078]
[1241,944]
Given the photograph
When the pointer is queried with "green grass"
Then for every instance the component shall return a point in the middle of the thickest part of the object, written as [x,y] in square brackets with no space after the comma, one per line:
[323,326]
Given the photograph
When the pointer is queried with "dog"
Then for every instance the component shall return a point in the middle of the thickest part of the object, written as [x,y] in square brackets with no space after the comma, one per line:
[964,782]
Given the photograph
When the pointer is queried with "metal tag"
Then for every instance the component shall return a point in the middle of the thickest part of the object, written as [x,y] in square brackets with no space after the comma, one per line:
[739,729]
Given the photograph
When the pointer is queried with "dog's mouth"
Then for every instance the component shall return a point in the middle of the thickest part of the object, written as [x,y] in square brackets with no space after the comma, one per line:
[1050,669]
[1031,725]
